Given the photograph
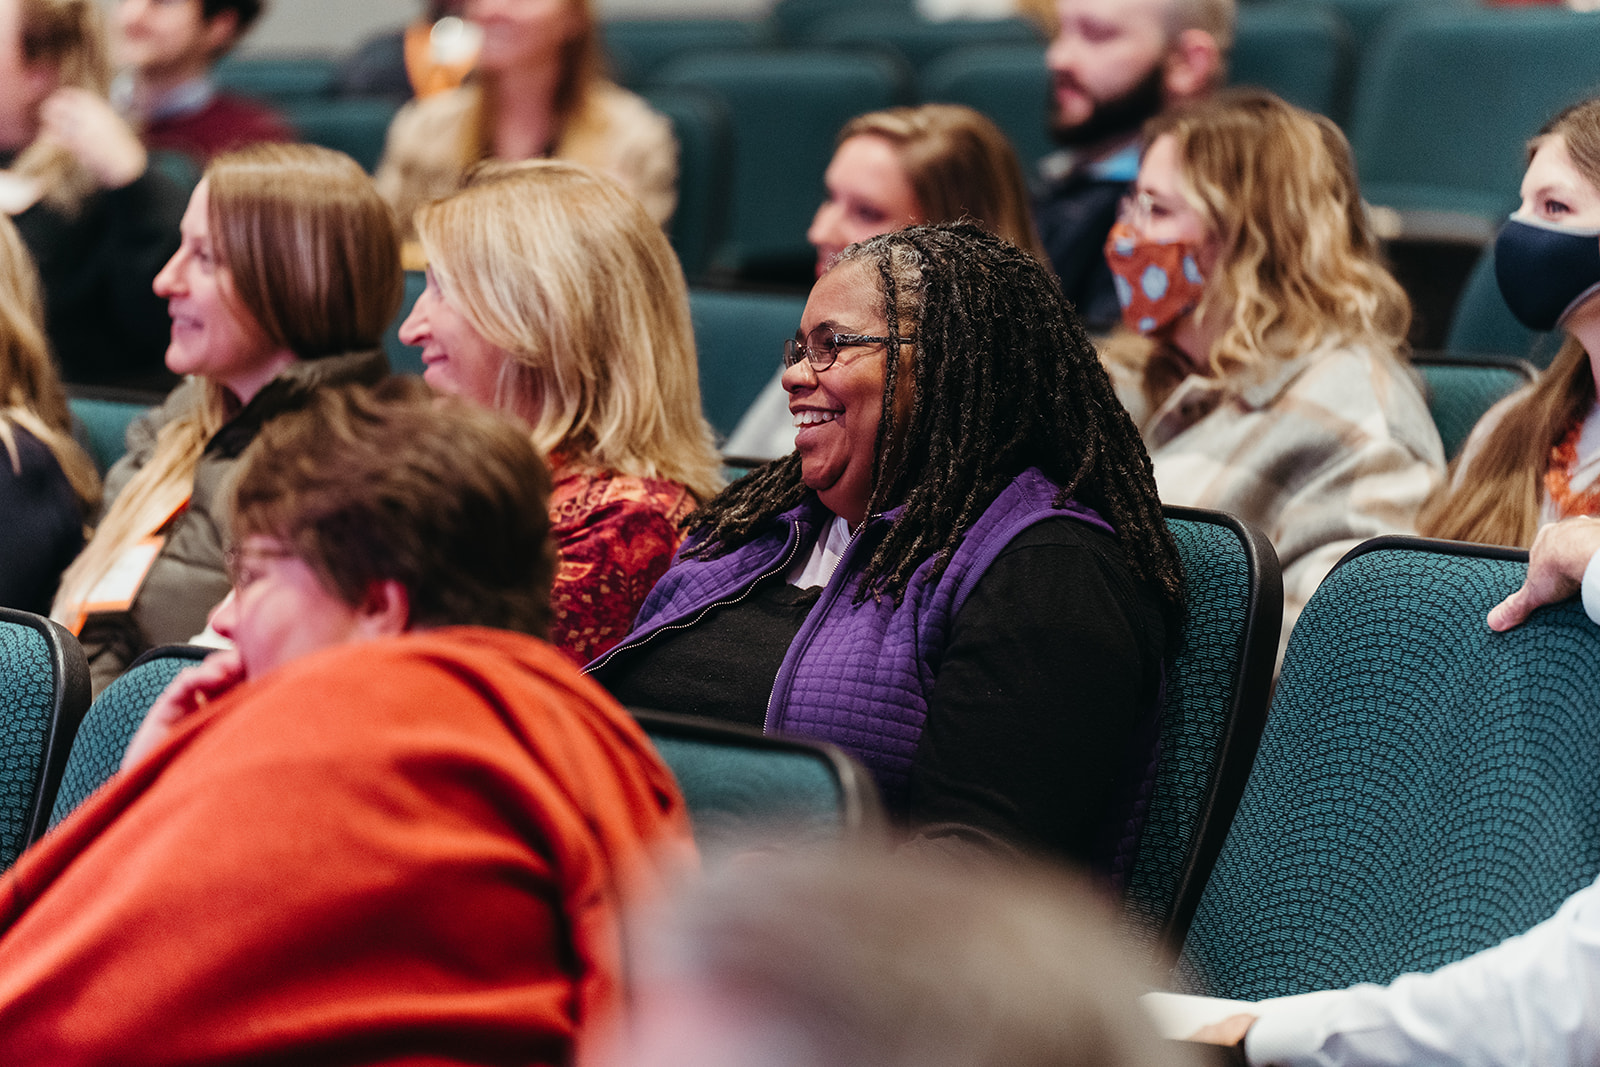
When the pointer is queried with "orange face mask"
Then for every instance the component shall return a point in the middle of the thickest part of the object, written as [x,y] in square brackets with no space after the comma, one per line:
[1157,283]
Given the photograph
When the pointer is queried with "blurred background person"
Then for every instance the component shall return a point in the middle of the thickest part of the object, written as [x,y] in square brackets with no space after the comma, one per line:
[167,49]
[98,221]
[1263,350]
[553,296]
[1534,458]
[857,959]
[1114,64]
[48,484]
[287,277]
[540,91]
[961,576]
[896,168]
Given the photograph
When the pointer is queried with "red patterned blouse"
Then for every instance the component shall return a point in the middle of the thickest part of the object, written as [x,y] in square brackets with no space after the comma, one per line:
[616,535]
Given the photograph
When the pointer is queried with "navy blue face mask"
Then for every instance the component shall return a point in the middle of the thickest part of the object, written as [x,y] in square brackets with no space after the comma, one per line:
[1545,271]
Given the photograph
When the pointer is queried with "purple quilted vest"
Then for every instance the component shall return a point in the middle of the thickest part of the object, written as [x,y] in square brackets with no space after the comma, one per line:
[858,675]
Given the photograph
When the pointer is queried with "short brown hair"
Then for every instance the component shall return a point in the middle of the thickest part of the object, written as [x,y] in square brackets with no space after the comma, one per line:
[448,499]
[959,164]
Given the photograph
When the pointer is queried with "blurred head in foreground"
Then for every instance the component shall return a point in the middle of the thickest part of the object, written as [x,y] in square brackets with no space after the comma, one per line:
[856,958]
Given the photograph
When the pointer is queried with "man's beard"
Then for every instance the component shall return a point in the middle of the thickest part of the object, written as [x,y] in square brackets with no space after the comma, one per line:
[1118,116]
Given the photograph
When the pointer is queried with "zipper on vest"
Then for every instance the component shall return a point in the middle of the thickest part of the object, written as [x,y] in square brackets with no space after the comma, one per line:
[844,557]
[783,564]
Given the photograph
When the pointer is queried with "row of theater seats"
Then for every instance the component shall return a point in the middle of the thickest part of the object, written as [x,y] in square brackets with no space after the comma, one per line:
[1420,788]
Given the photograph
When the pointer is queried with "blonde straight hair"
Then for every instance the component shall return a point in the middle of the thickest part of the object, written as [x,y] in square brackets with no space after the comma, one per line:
[1298,266]
[563,269]
[68,35]
[313,258]
[31,396]
[1496,501]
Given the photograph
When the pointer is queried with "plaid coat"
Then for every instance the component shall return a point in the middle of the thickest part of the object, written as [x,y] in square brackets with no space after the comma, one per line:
[1320,452]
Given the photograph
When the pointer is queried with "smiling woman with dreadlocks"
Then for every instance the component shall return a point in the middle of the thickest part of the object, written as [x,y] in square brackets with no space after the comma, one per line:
[961,576]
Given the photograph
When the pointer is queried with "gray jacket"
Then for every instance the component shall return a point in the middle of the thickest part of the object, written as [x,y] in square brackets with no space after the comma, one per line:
[189,577]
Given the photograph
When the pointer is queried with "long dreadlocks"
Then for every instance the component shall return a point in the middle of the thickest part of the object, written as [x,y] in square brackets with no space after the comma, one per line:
[1002,377]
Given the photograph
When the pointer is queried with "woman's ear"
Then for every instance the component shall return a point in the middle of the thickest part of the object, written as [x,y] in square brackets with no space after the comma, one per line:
[1193,66]
[385,611]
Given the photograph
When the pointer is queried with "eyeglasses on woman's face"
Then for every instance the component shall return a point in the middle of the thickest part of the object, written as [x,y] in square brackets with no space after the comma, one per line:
[821,346]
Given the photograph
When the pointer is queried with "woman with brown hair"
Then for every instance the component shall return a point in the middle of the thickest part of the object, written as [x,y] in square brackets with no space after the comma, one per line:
[540,91]
[287,276]
[900,167]
[48,485]
[554,297]
[1261,357]
[1534,458]
[98,220]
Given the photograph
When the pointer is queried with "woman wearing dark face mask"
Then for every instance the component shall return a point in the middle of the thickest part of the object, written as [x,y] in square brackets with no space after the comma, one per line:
[1535,457]
[1261,354]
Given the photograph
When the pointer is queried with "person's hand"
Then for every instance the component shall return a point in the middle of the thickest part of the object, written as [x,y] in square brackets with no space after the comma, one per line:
[189,691]
[1227,1032]
[88,127]
[1556,564]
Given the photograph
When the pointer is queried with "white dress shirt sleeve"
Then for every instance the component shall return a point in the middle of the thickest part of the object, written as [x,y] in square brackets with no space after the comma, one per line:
[1531,1000]
[1591,588]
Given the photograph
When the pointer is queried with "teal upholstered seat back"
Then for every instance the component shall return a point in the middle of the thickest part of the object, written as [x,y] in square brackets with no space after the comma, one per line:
[1460,390]
[44,688]
[1424,787]
[112,719]
[1217,692]
[742,786]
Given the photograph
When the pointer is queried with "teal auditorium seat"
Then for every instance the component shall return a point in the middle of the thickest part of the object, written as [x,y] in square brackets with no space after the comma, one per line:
[1447,100]
[44,690]
[744,787]
[1304,54]
[739,338]
[638,47]
[915,40]
[1008,83]
[1424,789]
[1217,693]
[786,108]
[278,79]
[112,719]
[101,416]
[700,124]
[1482,324]
[404,358]
[356,126]
[793,19]
[1367,19]
[1461,388]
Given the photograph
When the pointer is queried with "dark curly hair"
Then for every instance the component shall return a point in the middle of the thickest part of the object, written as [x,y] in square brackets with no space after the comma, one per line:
[1002,378]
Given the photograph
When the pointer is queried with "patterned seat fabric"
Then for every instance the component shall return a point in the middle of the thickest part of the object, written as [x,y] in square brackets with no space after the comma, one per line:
[111,721]
[1424,788]
[44,689]
[1216,702]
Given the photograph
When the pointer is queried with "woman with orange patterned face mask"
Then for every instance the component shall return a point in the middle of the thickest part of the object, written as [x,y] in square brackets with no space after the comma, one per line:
[1262,354]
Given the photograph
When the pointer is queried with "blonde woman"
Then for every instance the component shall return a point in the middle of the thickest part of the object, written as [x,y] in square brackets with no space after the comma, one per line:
[48,485]
[552,295]
[1535,457]
[287,275]
[1262,351]
[98,221]
[539,92]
